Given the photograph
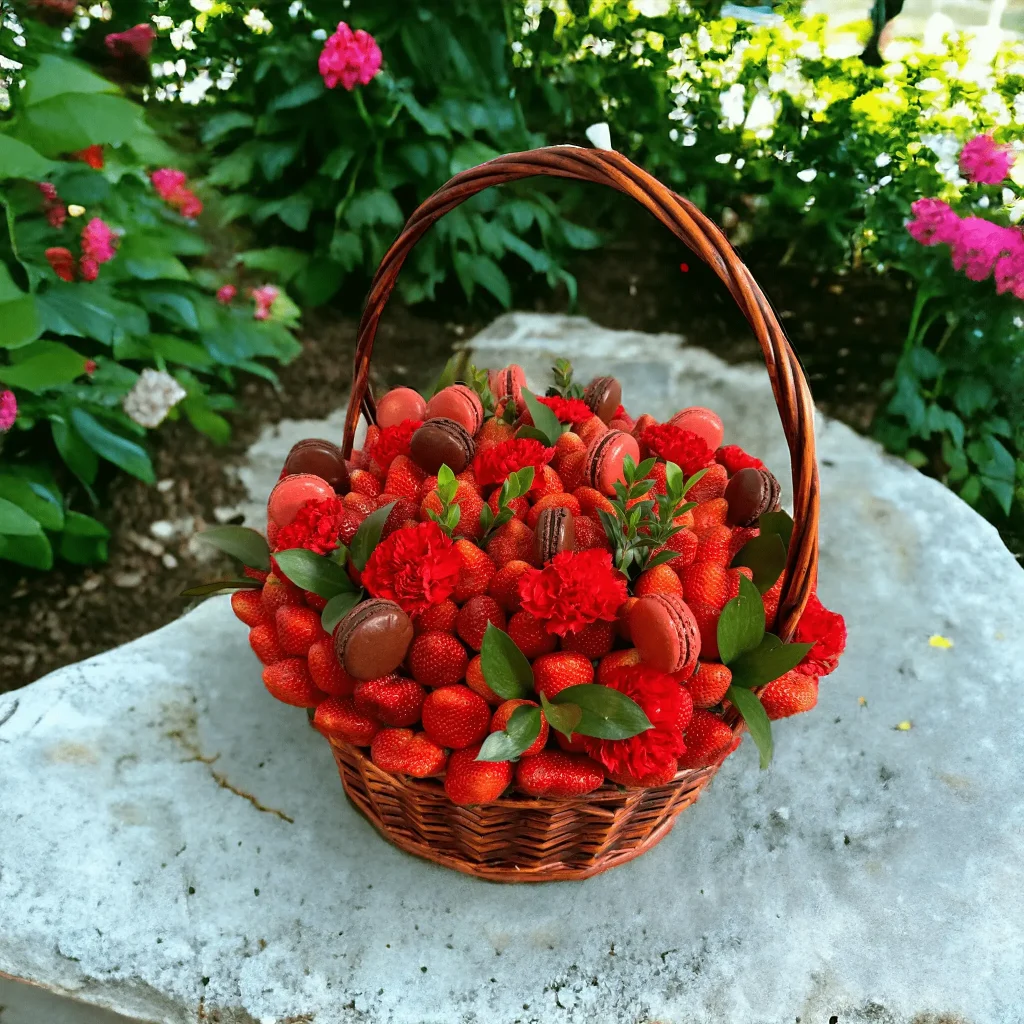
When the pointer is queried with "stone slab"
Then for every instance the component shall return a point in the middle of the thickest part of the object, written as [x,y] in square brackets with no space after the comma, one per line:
[174,845]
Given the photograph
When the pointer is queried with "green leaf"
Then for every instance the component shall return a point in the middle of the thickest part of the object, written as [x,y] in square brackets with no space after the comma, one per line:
[20,161]
[430,121]
[220,125]
[57,76]
[128,455]
[754,714]
[506,745]
[779,523]
[220,587]
[374,206]
[544,418]
[34,550]
[505,668]
[49,364]
[741,624]
[84,540]
[766,555]
[19,315]
[35,499]
[241,542]
[469,154]
[298,96]
[75,120]
[608,714]
[563,718]
[537,435]
[314,572]
[279,260]
[367,537]
[482,270]
[177,350]
[142,256]
[90,311]
[174,307]
[769,660]
[77,455]
[338,607]
[336,161]
[16,522]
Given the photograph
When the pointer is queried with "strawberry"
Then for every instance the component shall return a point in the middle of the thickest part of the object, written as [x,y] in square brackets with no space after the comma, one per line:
[642,423]
[612,663]
[405,511]
[365,483]
[326,671]
[710,486]
[351,520]
[476,682]
[592,502]
[467,476]
[530,636]
[513,542]
[546,481]
[412,753]
[504,587]
[553,773]
[360,504]
[559,670]
[705,583]
[314,601]
[455,716]
[248,606]
[707,739]
[591,429]
[659,580]
[594,641]
[655,778]
[590,534]
[339,718]
[789,695]
[438,617]
[575,745]
[255,574]
[263,640]
[567,444]
[714,546]
[708,515]
[472,620]
[519,506]
[622,630]
[493,432]
[298,629]
[708,684]
[685,709]
[561,500]
[278,592]
[290,682]
[571,470]
[469,781]
[393,700]
[504,713]
[437,659]
[467,497]
[707,622]
[733,579]
[740,536]
[372,437]
[685,542]
[771,601]
[476,572]
[659,474]
[404,478]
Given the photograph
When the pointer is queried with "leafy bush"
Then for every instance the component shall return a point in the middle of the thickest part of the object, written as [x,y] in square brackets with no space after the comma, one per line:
[131,334]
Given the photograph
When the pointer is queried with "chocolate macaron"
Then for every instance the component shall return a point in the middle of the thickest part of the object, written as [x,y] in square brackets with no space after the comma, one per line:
[665,633]
[442,442]
[750,493]
[605,456]
[603,396]
[555,533]
[373,639]
[321,458]
[460,403]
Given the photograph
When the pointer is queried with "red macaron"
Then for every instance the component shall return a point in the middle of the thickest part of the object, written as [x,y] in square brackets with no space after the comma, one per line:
[665,633]
[460,403]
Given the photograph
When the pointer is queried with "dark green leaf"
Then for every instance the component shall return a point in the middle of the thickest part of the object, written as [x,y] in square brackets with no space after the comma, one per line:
[241,542]
[766,555]
[563,718]
[20,161]
[220,125]
[299,95]
[314,572]
[58,76]
[16,522]
[741,624]
[368,536]
[476,269]
[769,660]
[505,668]
[46,365]
[522,730]
[608,714]
[84,540]
[33,550]
[337,608]
[543,418]
[537,435]
[221,587]
[36,500]
[754,714]
[129,456]
[780,523]
[77,455]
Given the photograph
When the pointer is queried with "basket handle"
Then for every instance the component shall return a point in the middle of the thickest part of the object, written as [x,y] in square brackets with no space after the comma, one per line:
[705,238]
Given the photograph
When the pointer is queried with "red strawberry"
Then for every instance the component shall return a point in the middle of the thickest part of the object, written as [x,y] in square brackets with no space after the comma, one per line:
[365,483]
[493,432]
[455,716]
[555,672]
[659,474]
[705,583]
[594,641]
[708,515]
[622,629]
[567,444]
[255,574]
[290,682]
[708,684]
[553,773]
[685,542]
[404,478]
[530,636]
[590,534]
[710,486]
[513,542]
[504,713]
[733,578]
[576,745]
[351,520]
[655,778]
[278,592]
[740,536]
[438,617]
[642,423]
[437,659]
[393,700]
[263,640]
[714,546]
[327,673]
[339,718]
[789,695]
[547,481]
[402,750]
[771,601]
[591,429]
[248,606]
[519,506]
[685,709]
[612,663]
[659,580]
[467,497]
[476,682]
[561,500]
[472,620]
[469,781]
[372,437]
[707,622]
[571,470]
[476,572]
[504,587]
[404,511]
[592,502]
[360,504]
[707,739]
[314,601]
[298,629]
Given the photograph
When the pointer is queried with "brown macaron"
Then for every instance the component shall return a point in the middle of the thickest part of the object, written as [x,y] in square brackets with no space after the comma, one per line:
[603,396]
[321,458]
[555,533]
[373,639]
[442,442]
[750,493]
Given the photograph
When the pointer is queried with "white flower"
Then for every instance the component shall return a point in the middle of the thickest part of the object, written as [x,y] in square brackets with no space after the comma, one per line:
[761,115]
[983,203]
[731,102]
[808,175]
[723,158]
[154,395]
[294,8]
[810,51]
[883,160]
[739,165]
[690,139]
[256,21]
[929,84]
[195,91]
[885,179]
[600,135]
[674,134]
[181,38]
[162,22]
[652,8]
[319,34]
[936,28]
[704,40]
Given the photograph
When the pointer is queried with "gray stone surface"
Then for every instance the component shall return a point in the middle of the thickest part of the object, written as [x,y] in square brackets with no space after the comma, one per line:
[174,844]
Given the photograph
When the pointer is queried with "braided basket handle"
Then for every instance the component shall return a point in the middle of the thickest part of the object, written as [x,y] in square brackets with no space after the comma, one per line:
[706,239]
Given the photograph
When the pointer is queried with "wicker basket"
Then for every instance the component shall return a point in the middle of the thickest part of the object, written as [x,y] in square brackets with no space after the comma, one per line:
[544,839]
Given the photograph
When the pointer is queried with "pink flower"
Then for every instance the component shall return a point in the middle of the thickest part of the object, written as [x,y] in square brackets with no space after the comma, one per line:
[99,243]
[88,268]
[90,366]
[985,161]
[8,410]
[979,245]
[137,41]
[264,298]
[934,223]
[349,58]
[56,212]
[1009,269]
[170,187]
[226,293]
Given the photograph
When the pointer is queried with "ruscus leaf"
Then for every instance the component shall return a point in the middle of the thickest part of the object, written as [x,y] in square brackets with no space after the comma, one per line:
[505,667]
[248,546]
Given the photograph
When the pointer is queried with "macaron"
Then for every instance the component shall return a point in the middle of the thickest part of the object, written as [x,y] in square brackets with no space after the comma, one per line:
[605,456]
[750,493]
[508,384]
[373,639]
[555,533]
[665,633]
[460,403]
[293,492]
[604,396]
[703,422]
[442,442]
[320,458]
[400,404]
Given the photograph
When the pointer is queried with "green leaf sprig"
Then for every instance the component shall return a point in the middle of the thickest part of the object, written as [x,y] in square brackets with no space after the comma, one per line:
[450,514]
[546,426]
[564,385]
[515,486]
[478,381]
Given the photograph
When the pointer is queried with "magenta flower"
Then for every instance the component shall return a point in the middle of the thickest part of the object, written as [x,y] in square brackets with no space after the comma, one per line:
[226,293]
[979,245]
[8,410]
[1009,270]
[264,298]
[56,212]
[349,58]
[985,161]
[136,41]
[170,187]
[934,223]
[99,242]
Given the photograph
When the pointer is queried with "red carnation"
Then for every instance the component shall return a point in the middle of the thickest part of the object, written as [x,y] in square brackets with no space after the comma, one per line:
[827,631]
[734,458]
[91,155]
[573,590]
[495,464]
[393,441]
[317,527]
[136,41]
[568,410]
[62,262]
[655,750]
[683,447]
[416,567]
